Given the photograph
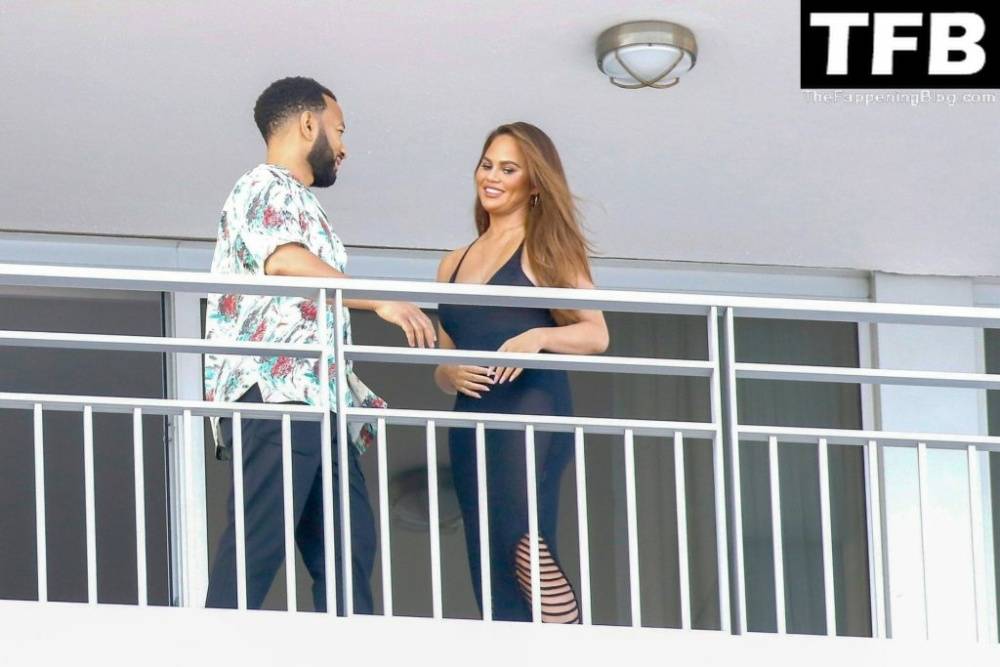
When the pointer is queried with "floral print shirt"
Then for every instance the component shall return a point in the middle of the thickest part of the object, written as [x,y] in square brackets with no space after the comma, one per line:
[268,208]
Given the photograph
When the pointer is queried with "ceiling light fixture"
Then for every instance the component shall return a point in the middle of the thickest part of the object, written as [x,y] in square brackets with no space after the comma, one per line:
[643,54]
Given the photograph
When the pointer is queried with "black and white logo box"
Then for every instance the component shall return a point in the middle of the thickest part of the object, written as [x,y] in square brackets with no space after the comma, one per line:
[894,44]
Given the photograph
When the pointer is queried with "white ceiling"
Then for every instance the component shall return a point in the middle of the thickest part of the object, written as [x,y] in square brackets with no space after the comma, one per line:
[135,118]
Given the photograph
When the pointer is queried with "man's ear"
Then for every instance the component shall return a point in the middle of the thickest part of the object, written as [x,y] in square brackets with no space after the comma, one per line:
[308,125]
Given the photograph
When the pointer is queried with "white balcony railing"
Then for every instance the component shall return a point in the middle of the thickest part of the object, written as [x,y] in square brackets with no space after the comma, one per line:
[723,431]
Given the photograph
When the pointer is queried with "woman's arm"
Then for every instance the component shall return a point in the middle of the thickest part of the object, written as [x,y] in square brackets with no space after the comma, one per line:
[588,335]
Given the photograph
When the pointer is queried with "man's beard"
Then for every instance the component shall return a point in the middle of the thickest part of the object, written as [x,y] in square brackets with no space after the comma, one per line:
[323,162]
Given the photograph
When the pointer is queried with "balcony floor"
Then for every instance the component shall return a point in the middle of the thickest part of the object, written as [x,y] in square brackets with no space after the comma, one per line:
[63,633]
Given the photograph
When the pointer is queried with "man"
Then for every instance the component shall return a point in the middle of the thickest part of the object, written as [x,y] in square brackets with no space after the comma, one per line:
[273,225]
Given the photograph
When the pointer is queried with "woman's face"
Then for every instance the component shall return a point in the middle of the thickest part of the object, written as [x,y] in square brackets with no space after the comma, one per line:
[501,179]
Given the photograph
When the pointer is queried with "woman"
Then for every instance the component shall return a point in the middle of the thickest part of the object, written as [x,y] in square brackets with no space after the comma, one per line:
[528,236]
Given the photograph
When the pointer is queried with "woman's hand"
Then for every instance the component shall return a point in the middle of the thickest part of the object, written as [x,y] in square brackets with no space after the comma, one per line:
[415,324]
[531,341]
[469,380]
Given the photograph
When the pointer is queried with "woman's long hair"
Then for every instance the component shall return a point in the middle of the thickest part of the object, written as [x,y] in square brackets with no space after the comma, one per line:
[553,238]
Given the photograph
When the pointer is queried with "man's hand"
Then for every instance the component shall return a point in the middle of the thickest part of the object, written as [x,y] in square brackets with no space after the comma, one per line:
[417,326]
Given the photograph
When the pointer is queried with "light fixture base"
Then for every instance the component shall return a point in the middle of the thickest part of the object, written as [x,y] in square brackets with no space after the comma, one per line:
[646,54]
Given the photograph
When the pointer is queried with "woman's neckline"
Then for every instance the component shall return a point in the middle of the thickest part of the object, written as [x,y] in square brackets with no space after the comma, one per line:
[515,254]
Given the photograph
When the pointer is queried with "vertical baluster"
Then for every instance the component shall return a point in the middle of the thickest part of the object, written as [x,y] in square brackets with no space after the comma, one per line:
[239,513]
[719,473]
[532,490]
[383,511]
[138,475]
[827,537]
[343,463]
[633,530]
[779,551]
[979,587]
[739,626]
[485,562]
[188,452]
[88,482]
[180,576]
[434,520]
[988,569]
[326,456]
[924,509]
[584,526]
[41,549]
[288,503]
[873,499]
[683,568]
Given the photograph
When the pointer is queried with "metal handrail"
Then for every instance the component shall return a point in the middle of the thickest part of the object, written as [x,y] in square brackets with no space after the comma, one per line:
[655,302]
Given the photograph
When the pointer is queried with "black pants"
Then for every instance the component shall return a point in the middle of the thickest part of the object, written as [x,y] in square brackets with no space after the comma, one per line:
[264,523]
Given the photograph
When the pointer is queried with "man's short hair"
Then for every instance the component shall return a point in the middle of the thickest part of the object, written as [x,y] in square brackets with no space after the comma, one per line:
[285,98]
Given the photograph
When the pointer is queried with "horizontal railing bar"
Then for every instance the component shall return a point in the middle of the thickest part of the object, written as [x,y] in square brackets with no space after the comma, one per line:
[613,300]
[854,437]
[153,344]
[698,430]
[507,422]
[747,371]
[25,275]
[388,354]
[597,364]
[159,406]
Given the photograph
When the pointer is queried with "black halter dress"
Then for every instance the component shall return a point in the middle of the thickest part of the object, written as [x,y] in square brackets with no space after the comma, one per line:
[534,392]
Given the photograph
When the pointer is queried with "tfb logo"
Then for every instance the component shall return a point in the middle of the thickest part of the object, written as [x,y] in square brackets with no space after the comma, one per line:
[886,44]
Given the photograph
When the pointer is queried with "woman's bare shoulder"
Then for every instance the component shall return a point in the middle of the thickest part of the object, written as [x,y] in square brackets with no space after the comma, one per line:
[449,262]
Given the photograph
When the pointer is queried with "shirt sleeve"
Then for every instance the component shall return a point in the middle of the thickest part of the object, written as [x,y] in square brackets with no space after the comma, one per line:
[275,217]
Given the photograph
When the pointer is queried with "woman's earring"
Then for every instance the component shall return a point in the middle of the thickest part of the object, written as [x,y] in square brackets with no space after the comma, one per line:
[533,202]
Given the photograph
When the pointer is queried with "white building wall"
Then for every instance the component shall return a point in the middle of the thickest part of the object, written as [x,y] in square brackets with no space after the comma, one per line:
[945,555]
